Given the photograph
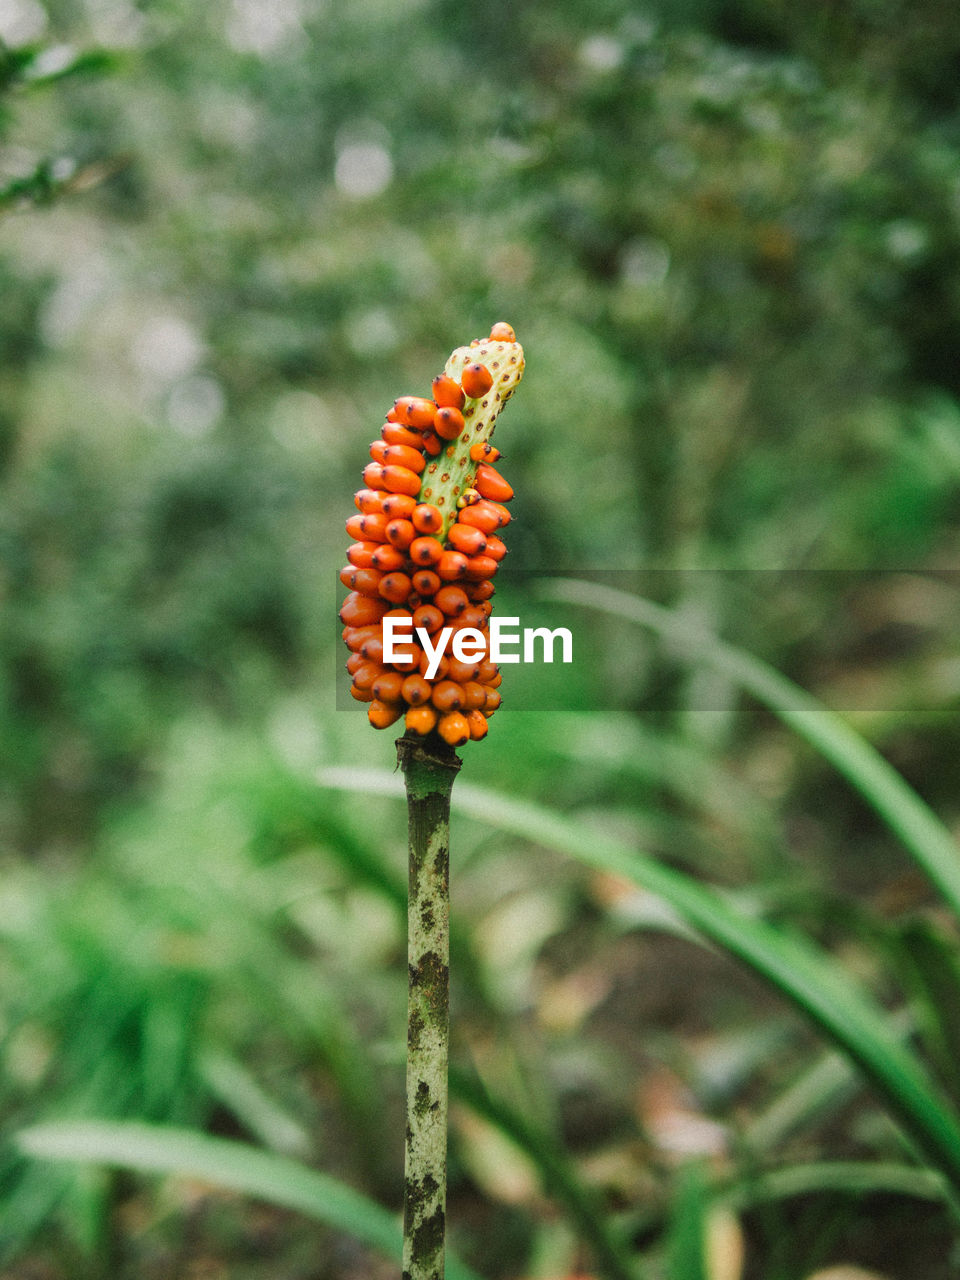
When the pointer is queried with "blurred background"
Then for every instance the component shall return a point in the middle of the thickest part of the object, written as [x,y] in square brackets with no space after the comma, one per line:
[728,235]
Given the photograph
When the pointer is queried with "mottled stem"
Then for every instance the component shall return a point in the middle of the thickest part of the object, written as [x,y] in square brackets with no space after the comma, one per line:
[429,768]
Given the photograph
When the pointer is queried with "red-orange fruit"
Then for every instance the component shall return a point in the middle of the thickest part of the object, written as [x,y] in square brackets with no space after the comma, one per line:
[366,673]
[451,565]
[491,484]
[473,617]
[377,451]
[361,695]
[488,670]
[356,637]
[388,559]
[451,600]
[447,392]
[383,714]
[448,423]
[421,719]
[481,591]
[398,506]
[415,411]
[361,553]
[477,724]
[427,518]
[454,729]
[462,672]
[480,516]
[432,444]
[361,611]
[496,547]
[366,581]
[395,587]
[467,499]
[355,662]
[395,478]
[447,696]
[372,649]
[416,690]
[480,567]
[429,617]
[496,681]
[476,380]
[484,451]
[467,538]
[502,332]
[367,500]
[402,456]
[425,551]
[414,662]
[368,528]
[400,533]
[501,512]
[425,582]
[387,686]
[492,700]
[394,433]
[474,695]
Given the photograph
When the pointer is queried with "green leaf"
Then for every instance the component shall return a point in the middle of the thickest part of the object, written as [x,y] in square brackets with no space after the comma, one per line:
[854,1178]
[808,977]
[686,1245]
[225,1163]
[878,783]
[929,968]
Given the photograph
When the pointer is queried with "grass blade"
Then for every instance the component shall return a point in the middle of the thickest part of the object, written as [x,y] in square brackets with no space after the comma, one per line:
[807,977]
[230,1164]
[920,830]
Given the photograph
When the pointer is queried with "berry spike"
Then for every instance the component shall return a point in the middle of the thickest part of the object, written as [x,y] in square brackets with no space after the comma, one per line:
[452,473]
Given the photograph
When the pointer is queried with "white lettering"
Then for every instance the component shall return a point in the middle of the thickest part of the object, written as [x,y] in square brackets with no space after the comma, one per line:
[548,637]
[391,639]
[499,637]
[433,651]
[469,644]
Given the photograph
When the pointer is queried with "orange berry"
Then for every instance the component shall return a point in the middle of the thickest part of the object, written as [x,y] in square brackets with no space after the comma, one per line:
[427,518]
[383,714]
[361,553]
[361,611]
[388,559]
[395,587]
[502,332]
[366,581]
[477,724]
[480,516]
[488,670]
[402,456]
[394,433]
[483,451]
[441,671]
[467,538]
[432,444]
[454,729]
[400,533]
[388,685]
[398,506]
[416,690]
[447,696]
[447,392]
[474,695]
[492,700]
[451,600]
[425,551]
[397,479]
[476,380]
[421,719]
[367,500]
[448,423]
[361,695]
[473,617]
[496,547]
[481,591]
[366,673]
[501,512]
[480,567]
[491,484]
[354,662]
[467,499]
[372,649]
[368,527]
[462,672]
[451,565]
[429,617]
[415,411]
[425,582]
[356,637]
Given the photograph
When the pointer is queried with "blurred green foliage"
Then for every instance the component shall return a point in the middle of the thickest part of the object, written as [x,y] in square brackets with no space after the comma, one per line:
[728,234]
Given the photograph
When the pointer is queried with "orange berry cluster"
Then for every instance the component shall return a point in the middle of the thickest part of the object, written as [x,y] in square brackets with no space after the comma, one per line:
[427,547]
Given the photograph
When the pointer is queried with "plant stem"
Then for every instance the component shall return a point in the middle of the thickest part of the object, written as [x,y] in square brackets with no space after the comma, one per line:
[429,768]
